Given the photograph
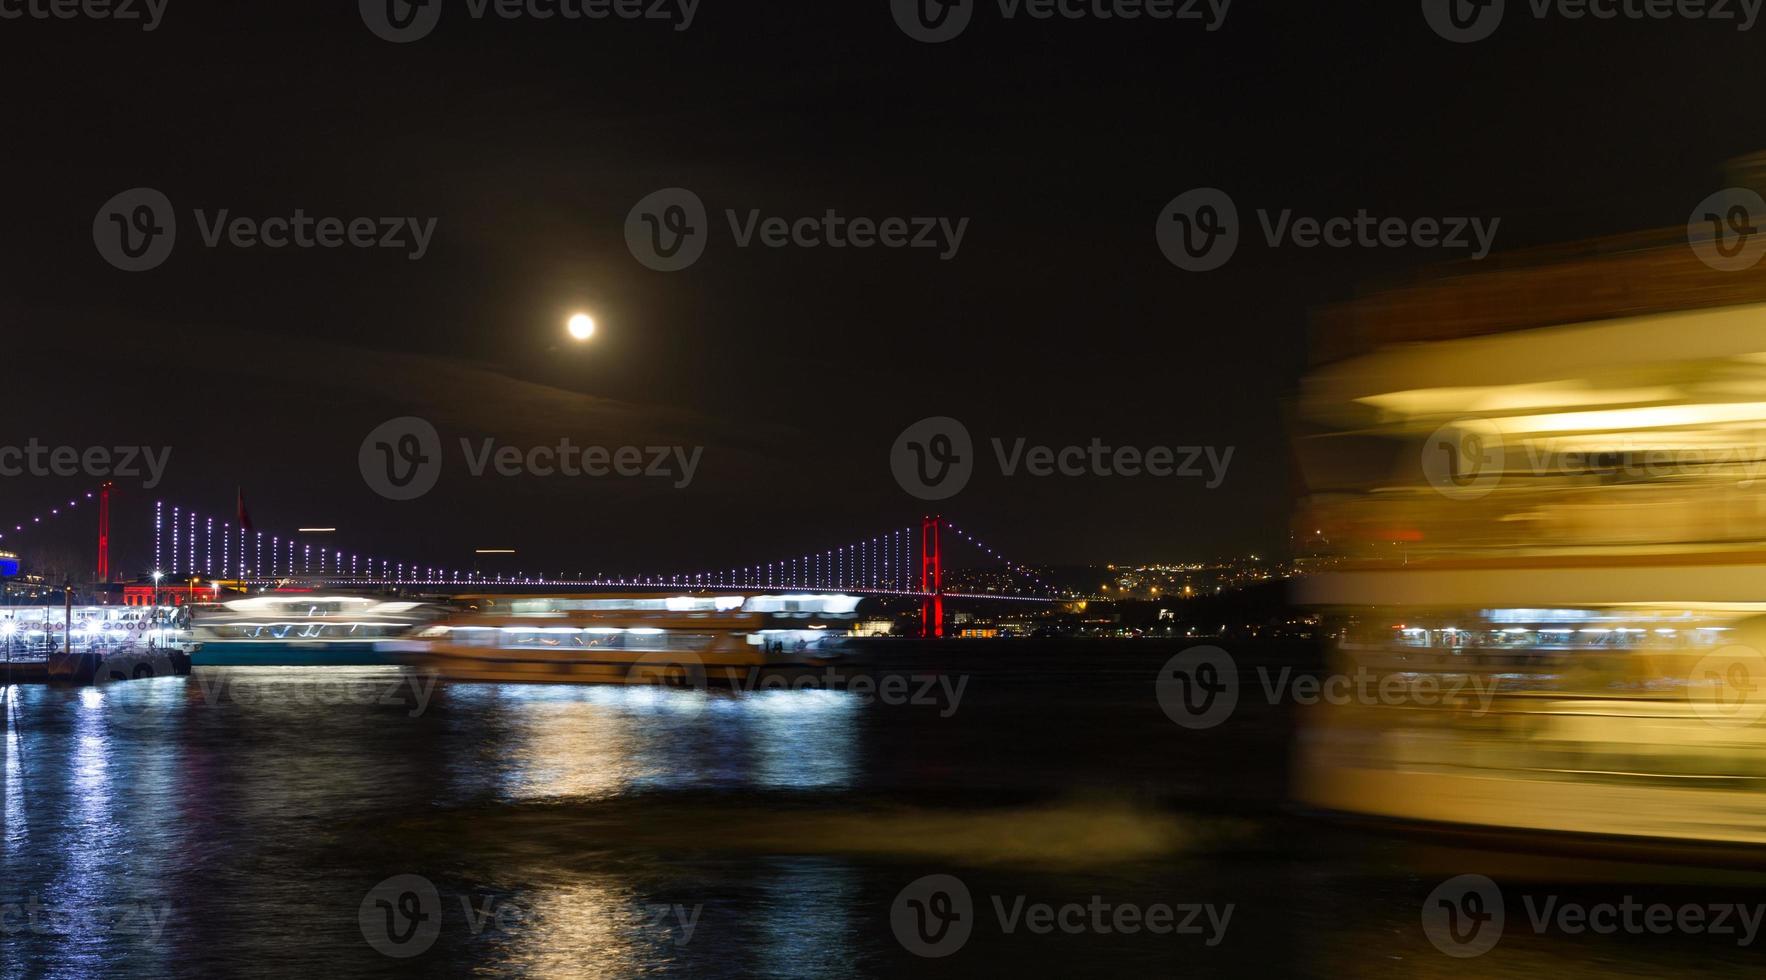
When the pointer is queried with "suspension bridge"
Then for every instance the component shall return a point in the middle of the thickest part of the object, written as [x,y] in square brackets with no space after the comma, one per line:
[907,562]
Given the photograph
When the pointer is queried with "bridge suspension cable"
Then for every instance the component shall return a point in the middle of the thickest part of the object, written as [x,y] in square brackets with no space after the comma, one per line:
[189,543]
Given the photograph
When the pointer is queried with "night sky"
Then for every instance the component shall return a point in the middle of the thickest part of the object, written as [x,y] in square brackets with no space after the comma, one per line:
[1059,320]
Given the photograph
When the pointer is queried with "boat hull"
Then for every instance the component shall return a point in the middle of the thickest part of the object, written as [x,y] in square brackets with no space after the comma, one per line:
[258,653]
[1646,767]
[607,667]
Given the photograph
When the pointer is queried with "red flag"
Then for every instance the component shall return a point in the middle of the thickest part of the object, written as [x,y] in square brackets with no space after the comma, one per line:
[244,515]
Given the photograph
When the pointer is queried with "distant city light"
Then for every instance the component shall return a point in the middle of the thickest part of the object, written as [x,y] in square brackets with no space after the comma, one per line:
[581,326]
[316,530]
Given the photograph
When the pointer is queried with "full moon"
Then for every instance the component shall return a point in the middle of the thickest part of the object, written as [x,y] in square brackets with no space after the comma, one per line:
[581,326]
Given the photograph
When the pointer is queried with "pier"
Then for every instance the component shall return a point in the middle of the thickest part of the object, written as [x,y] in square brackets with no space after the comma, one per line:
[93,668]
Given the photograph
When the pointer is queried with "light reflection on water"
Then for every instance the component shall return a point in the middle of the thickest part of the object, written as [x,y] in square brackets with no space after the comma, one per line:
[593,742]
[255,808]
[216,795]
[584,929]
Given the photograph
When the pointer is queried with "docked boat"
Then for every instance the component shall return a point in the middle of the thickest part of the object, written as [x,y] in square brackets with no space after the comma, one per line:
[1539,498]
[304,629]
[685,640]
[125,641]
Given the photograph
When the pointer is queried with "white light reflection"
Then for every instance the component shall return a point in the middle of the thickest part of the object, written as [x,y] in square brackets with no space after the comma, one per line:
[597,741]
[809,921]
[589,929]
[85,838]
[16,828]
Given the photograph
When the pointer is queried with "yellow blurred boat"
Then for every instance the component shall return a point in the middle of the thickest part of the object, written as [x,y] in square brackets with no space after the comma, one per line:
[1545,484]
[689,640]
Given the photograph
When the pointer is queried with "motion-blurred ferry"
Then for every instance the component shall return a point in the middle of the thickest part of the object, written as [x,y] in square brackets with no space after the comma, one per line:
[689,640]
[1543,488]
[298,629]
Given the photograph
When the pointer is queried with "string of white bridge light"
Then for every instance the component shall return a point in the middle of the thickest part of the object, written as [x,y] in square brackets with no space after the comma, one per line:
[187,525]
[881,562]
[54,512]
[875,563]
[1011,566]
[188,557]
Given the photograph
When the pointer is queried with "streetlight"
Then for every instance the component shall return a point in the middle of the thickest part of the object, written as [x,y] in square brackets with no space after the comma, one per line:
[581,326]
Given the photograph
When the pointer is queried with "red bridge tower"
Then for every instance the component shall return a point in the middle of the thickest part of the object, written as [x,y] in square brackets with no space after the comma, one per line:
[931,579]
[104,533]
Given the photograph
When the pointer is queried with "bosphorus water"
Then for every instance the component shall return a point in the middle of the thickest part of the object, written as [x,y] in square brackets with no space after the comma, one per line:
[342,822]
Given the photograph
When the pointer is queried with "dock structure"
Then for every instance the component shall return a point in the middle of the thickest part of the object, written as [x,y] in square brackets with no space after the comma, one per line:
[85,668]
[86,644]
